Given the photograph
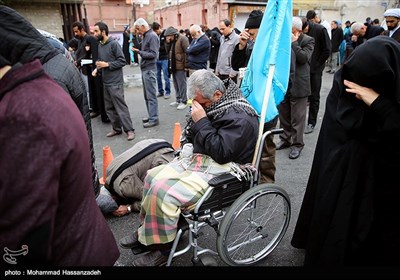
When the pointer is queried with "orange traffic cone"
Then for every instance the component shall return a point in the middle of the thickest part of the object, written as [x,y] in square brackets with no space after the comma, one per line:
[176,144]
[107,158]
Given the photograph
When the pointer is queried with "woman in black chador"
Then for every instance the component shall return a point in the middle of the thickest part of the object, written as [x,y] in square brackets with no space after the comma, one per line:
[350,209]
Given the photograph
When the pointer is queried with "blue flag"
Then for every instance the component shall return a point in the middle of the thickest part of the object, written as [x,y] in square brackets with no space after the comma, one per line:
[272,49]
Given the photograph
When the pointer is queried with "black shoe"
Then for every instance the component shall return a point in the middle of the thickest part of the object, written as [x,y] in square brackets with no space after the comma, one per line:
[282,145]
[131,241]
[309,129]
[145,120]
[294,153]
[150,124]
[152,258]
[160,95]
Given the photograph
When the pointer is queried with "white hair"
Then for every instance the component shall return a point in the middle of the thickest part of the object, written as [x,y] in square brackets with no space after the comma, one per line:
[140,22]
[356,27]
[297,23]
[196,28]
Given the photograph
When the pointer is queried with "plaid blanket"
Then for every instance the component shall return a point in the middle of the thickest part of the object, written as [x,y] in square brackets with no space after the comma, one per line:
[171,187]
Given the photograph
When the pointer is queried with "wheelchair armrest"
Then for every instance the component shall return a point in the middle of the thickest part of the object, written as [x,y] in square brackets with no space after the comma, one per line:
[222,179]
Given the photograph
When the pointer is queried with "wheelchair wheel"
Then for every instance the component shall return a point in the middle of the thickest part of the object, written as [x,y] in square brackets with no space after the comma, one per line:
[254,225]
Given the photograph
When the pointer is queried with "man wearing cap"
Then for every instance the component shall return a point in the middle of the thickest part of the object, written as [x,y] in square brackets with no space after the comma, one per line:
[392,17]
[240,58]
[178,44]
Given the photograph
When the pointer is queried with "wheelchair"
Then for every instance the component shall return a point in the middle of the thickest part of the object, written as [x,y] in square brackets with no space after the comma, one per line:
[249,219]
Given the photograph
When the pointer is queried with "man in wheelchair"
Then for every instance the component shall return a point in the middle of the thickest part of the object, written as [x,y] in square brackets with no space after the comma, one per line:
[223,131]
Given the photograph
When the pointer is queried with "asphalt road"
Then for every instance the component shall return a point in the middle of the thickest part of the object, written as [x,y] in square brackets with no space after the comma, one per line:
[292,175]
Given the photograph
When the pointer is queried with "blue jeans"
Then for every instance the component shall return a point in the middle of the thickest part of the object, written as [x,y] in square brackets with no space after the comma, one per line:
[149,91]
[162,66]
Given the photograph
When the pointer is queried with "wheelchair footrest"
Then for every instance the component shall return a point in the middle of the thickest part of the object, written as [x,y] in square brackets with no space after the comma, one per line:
[140,249]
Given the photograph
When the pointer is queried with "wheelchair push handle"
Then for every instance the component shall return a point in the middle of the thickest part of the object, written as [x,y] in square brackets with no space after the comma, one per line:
[276,131]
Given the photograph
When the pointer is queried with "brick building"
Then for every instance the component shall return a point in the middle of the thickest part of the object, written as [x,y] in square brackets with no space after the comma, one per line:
[57,16]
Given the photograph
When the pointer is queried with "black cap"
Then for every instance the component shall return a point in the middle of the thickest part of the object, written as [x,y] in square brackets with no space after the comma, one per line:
[254,20]
[171,31]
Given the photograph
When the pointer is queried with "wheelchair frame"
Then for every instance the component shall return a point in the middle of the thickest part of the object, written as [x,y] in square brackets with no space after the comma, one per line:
[250,219]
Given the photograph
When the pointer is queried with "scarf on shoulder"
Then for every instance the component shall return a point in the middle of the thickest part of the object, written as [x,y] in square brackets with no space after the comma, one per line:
[231,99]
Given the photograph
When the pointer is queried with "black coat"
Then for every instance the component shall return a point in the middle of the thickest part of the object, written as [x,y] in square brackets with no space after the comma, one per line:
[350,203]
[231,137]
[322,48]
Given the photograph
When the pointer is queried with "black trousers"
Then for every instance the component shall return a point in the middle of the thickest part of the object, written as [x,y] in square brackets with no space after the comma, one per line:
[313,108]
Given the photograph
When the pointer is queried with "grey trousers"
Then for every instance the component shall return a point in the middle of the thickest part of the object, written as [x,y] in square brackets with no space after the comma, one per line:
[292,118]
[150,93]
[116,108]
[179,78]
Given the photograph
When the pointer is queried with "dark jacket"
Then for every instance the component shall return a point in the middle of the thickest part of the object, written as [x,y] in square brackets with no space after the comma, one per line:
[396,34]
[232,137]
[23,43]
[150,47]
[215,36]
[372,31]
[303,49]
[111,52]
[45,169]
[337,38]
[322,48]
[198,53]
[163,51]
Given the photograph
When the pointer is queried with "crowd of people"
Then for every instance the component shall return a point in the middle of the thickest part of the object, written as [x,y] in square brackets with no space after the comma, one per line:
[346,214]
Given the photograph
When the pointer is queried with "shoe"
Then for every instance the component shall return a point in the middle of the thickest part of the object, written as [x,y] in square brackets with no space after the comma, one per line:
[131,135]
[145,120]
[167,96]
[160,95]
[294,153]
[282,145]
[328,71]
[130,241]
[150,124]
[309,129]
[113,133]
[332,72]
[181,106]
[174,104]
[152,258]
[94,114]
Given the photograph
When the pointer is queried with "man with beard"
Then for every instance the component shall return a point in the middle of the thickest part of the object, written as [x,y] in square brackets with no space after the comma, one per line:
[88,49]
[392,17]
[110,63]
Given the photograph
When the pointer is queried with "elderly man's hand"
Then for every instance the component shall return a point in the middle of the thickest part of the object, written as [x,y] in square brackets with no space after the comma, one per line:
[197,111]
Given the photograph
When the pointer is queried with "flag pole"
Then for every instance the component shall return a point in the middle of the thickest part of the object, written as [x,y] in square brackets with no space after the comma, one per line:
[264,110]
